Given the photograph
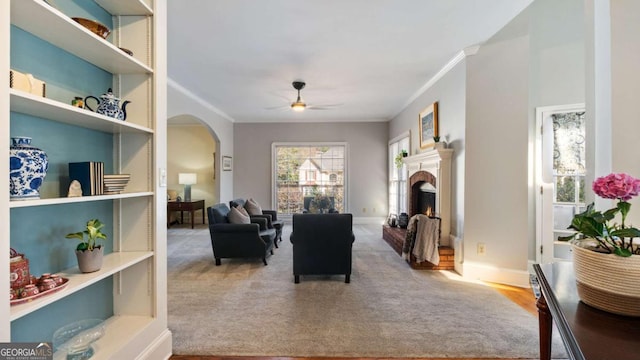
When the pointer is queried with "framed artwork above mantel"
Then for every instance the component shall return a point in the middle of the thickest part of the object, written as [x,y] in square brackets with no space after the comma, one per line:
[428,125]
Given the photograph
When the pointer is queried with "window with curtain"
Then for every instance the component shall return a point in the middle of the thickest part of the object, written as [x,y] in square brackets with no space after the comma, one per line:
[398,176]
[309,176]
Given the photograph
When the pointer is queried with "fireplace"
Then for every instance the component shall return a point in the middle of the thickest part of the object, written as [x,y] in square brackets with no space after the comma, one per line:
[429,185]
[422,194]
[425,199]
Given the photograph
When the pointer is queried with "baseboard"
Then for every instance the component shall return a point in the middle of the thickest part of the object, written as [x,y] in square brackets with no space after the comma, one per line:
[368,220]
[478,271]
[159,349]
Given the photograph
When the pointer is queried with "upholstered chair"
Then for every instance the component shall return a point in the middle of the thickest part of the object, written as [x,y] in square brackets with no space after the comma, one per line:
[239,240]
[270,215]
[322,245]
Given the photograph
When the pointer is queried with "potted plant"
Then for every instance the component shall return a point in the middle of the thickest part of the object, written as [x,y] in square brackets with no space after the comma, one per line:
[438,144]
[88,252]
[398,158]
[606,259]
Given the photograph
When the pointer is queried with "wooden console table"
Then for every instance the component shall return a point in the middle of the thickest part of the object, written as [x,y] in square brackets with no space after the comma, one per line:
[182,206]
[588,333]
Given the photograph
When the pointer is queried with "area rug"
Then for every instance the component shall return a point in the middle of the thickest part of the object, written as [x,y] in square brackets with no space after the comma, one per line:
[243,308]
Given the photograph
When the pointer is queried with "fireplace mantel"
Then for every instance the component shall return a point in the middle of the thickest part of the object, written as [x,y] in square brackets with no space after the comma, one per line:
[437,162]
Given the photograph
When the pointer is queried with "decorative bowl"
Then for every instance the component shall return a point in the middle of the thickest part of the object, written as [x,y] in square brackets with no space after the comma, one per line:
[75,339]
[93,26]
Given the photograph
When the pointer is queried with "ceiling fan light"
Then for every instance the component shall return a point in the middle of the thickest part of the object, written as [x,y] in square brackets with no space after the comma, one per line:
[298,106]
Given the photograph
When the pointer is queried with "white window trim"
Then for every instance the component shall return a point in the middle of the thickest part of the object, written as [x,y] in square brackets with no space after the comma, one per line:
[274,175]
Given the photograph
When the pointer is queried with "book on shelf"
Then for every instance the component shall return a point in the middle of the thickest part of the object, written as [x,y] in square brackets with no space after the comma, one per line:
[90,175]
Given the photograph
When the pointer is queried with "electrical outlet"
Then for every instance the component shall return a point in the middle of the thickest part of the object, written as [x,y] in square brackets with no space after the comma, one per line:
[482,250]
[373,210]
[364,210]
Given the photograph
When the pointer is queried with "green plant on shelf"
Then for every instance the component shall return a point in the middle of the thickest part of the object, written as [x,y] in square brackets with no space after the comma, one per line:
[93,234]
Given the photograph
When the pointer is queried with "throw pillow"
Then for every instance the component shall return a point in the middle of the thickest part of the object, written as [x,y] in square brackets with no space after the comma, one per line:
[253,208]
[242,210]
[237,217]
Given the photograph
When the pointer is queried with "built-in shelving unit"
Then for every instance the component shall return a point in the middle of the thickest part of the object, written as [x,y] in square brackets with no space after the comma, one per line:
[71,200]
[112,264]
[29,104]
[47,23]
[136,267]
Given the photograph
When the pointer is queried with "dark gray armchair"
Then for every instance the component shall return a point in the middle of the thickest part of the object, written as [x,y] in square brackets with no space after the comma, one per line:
[322,245]
[270,215]
[238,240]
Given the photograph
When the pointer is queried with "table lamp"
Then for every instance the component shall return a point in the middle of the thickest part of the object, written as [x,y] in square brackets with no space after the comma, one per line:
[187,179]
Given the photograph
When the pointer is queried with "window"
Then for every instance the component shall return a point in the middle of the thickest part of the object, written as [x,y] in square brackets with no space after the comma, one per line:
[309,176]
[398,176]
[568,169]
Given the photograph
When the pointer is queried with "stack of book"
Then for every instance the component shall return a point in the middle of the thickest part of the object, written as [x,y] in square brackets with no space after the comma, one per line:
[90,175]
[115,183]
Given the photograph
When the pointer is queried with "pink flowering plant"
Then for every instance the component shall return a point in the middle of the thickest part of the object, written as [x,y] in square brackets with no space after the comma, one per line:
[609,236]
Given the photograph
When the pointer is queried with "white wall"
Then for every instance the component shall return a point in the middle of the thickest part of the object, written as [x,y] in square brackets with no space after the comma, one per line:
[556,72]
[496,173]
[449,92]
[180,103]
[367,155]
[487,104]
[625,83]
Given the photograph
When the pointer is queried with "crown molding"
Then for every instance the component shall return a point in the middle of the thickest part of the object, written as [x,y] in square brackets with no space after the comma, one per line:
[468,51]
[188,93]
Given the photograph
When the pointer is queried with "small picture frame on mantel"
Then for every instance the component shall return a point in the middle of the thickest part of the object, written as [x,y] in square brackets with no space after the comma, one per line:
[428,125]
[227,163]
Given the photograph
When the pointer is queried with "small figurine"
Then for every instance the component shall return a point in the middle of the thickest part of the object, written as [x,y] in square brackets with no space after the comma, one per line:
[75,189]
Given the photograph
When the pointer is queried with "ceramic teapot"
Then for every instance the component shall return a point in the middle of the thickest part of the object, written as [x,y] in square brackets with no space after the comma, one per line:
[109,105]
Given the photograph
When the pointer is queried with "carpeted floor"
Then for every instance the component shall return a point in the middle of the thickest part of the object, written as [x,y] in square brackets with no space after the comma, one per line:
[389,310]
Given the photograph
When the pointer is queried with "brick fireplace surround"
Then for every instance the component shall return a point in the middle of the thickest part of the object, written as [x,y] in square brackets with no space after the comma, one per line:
[433,167]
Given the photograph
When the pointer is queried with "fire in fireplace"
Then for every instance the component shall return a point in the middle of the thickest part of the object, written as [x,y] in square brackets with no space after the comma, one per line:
[426,200]
[422,193]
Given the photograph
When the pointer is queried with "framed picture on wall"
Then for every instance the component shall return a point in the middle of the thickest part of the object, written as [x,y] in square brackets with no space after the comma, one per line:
[227,163]
[428,125]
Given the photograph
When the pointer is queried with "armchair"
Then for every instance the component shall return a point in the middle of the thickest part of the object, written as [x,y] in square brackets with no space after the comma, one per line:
[238,240]
[322,245]
[270,215]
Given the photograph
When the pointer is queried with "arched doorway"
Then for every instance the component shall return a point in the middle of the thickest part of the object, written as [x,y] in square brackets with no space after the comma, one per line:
[193,148]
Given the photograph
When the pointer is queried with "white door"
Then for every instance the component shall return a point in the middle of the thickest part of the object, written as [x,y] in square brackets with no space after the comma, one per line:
[560,174]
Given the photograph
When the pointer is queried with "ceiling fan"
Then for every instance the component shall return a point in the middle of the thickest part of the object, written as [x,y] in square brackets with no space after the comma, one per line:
[300,105]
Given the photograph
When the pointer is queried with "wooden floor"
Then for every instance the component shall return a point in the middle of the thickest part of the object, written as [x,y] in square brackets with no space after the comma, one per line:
[188,357]
[521,296]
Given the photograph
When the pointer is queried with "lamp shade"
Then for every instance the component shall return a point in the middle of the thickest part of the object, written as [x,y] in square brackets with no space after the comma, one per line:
[187,178]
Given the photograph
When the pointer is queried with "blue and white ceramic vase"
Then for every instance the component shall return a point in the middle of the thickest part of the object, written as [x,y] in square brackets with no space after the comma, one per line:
[27,168]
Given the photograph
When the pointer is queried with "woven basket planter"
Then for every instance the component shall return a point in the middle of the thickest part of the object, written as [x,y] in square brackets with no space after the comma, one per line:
[607,281]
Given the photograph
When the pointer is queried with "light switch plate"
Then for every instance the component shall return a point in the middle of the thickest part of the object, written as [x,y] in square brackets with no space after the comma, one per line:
[163,177]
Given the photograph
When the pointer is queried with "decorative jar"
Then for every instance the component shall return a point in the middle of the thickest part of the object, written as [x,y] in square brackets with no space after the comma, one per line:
[403,220]
[29,290]
[28,166]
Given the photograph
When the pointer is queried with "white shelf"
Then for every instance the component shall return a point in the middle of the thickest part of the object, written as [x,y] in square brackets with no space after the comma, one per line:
[70,200]
[47,23]
[125,7]
[112,264]
[34,105]
[119,331]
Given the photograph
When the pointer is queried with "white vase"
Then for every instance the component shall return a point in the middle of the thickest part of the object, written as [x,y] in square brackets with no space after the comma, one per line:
[440,145]
[90,261]
[607,281]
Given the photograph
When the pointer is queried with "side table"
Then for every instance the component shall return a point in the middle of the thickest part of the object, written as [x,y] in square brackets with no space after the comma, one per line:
[182,206]
[587,333]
